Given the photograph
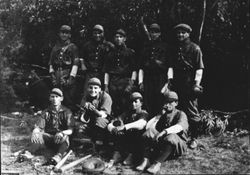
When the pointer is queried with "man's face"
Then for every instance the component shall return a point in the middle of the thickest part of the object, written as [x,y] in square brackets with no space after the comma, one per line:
[119,39]
[154,34]
[94,90]
[55,100]
[182,35]
[98,35]
[170,106]
[64,35]
[136,104]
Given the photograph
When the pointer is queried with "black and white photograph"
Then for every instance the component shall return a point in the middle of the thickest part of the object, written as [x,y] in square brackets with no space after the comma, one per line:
[119,87]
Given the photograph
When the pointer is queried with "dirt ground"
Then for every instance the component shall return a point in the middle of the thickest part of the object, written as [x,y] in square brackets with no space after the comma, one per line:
[227,154]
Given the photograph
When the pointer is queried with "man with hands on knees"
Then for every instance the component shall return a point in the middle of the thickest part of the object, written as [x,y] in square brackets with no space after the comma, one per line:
[96,110]
[52,129]
[166,135]
[127,130]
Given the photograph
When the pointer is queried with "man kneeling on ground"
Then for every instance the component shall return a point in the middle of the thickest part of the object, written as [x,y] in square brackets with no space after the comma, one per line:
[127,134]
[166,135]
[53,128]
[96,110]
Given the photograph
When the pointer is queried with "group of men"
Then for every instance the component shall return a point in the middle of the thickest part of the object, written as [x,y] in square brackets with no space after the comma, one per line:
[125,99]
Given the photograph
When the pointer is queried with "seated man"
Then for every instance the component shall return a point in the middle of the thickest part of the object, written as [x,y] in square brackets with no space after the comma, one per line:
[96,110]
[53,128]
[166,134]
[127,133]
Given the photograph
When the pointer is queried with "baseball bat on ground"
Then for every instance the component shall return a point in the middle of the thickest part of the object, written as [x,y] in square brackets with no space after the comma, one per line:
[59,164]
[73,164]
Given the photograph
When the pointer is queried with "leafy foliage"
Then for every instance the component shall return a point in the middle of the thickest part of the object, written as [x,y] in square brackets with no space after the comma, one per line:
[33,25]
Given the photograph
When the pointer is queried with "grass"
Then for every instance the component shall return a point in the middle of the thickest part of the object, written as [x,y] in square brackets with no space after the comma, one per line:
[226,154]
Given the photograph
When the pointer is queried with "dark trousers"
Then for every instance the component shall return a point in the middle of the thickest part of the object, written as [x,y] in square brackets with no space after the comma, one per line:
[153,99]
[49,143]
[188,102]
[130,142]
[169,145]
[118,94]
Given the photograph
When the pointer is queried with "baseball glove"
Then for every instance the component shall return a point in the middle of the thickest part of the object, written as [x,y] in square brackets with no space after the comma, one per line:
[93,165]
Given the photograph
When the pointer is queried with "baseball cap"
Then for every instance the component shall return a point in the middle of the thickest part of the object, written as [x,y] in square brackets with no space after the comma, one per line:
[183,26]
[57,91]
[65,28]
[171,96]
[94,81]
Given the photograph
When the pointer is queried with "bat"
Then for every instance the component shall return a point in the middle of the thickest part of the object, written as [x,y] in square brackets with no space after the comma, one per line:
[59,164]
[73,164]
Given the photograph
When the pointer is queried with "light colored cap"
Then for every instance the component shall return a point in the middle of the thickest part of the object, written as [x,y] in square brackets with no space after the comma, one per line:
[94,81]
[57,92]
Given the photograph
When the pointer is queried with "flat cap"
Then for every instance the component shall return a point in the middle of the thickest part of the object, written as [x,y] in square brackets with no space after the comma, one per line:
[155,26]
[98,27]
[135,95]
[184,27]
[171,96]
[56,91]
[121,32]
[94,81]
[65,28]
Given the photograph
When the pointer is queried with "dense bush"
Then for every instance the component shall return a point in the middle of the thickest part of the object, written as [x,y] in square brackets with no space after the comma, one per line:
[223,38]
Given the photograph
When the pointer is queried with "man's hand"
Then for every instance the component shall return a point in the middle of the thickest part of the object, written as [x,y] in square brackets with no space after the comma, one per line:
[197,90]
[106,88]
[130,86]
[53,78]
[117,131]
[141,87]
[59,137]
[89,106]
[164,132]
[71,81]
[101,122]
[37,137]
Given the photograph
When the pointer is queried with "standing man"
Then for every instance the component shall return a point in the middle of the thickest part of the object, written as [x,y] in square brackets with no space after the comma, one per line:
[53,128]
[153,71]
[120,72]
[188,69]
[96,106]
[63,66]
[93,54]
[165,135]
[128,137]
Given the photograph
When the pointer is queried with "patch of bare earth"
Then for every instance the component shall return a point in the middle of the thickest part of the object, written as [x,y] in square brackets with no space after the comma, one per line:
[226,154]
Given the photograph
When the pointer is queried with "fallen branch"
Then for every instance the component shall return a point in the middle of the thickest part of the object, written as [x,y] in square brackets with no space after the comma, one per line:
[9,118]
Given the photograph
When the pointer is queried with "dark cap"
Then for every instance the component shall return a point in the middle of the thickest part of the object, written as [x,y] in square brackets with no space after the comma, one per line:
[98,27]
[171,96]
[65,28]
[184,27]
[121,32]
[57,91]
[135,95]
[94,81]
[155,27]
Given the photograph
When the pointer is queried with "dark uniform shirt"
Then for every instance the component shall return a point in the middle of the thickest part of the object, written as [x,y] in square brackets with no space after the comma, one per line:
[132,116]
[155,58]
[53,121]
[171,119]
[94,53]
[187,59]
[120,62]
[64,56]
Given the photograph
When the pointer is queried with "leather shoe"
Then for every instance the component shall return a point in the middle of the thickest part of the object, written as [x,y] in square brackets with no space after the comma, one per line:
[155,168]
[143,165]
